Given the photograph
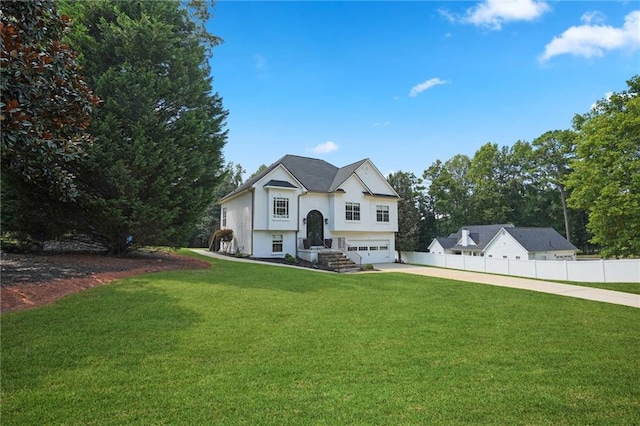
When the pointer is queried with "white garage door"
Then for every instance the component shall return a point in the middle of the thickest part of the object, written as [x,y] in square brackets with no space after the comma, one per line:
[375,251]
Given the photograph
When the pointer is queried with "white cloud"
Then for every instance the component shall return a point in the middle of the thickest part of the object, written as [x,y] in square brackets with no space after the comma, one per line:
[593,40]
[448,15]
[493,13]
[419,88]
[324,148]
[592,17]
[607,97]
[260,61]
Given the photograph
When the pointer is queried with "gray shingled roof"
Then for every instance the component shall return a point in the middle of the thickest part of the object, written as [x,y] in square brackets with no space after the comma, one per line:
[447,242]
[343,174]
[540,239]
[280,183]
[480,234]
[314,174]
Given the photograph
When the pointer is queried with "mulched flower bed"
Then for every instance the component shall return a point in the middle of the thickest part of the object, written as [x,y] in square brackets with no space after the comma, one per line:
[32,280]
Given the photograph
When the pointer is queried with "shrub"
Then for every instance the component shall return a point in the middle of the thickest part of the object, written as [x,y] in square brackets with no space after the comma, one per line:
[289,259]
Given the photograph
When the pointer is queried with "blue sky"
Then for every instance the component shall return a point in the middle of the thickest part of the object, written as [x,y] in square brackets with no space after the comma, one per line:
[408,83]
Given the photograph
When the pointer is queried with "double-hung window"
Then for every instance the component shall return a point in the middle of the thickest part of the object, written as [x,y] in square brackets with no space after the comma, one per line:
[352,211]
[382,213]
[281,208]
[224,217]
[276,243]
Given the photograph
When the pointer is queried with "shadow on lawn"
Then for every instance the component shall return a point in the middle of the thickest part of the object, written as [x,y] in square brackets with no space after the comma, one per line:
[271,277]
[94,329]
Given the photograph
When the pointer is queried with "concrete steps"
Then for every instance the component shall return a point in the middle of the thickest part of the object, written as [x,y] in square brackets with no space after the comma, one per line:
[337,261]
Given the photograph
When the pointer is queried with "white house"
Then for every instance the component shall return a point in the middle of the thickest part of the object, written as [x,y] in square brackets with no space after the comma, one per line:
[299,205]
[469,240]
[504,241]
[530,244]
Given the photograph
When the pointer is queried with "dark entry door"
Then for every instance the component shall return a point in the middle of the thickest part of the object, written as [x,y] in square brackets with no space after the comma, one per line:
[315,228]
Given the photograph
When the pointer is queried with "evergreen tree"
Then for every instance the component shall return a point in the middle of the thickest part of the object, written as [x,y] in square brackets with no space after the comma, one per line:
[157,158]
[231,179]
[407,187]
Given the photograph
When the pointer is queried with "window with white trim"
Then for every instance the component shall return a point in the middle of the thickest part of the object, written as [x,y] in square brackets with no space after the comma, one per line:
[276,244]
[224,216]
[382,213]
[352,211]
[280,208]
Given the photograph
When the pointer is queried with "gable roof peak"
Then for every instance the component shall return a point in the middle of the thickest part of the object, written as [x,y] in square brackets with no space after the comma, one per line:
[314,174]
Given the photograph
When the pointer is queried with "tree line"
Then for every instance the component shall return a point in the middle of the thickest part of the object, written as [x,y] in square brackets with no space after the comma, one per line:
[111,127]
[583,182]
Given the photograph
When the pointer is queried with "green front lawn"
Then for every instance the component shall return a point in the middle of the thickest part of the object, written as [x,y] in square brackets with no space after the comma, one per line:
[259,344]
[624,287]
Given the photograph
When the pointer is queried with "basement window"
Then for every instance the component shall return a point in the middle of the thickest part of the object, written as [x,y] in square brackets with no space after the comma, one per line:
[276,244]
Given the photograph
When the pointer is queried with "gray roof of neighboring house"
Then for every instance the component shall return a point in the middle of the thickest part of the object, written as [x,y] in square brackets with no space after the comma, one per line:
[480,234]
[540,239]
[314,174]
[446,242]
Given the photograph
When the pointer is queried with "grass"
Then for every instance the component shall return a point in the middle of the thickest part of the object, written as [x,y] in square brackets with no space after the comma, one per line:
[623,287]
[259,344]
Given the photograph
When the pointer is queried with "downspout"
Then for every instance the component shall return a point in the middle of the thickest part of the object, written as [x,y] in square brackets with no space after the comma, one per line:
[253,201]
[298,224]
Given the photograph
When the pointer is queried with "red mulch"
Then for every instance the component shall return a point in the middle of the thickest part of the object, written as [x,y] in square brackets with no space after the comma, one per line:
[32,280]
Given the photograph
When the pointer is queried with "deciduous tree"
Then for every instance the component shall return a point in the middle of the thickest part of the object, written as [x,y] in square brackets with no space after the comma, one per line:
[450,190]
[45,103]
[554,151]
[604,179]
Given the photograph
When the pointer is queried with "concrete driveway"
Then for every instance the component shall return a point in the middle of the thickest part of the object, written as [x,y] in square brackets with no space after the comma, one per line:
[589,293]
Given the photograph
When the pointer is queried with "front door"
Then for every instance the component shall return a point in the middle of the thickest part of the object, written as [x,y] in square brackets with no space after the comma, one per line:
[315,228]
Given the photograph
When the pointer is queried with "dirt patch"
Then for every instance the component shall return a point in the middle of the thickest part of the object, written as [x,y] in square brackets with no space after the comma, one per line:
[32,280]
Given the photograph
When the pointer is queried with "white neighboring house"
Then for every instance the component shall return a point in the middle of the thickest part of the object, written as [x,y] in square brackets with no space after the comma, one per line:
[504,241]
[300,204]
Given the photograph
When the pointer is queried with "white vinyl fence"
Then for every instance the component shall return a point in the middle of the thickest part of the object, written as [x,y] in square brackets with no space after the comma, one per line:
[602,271]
